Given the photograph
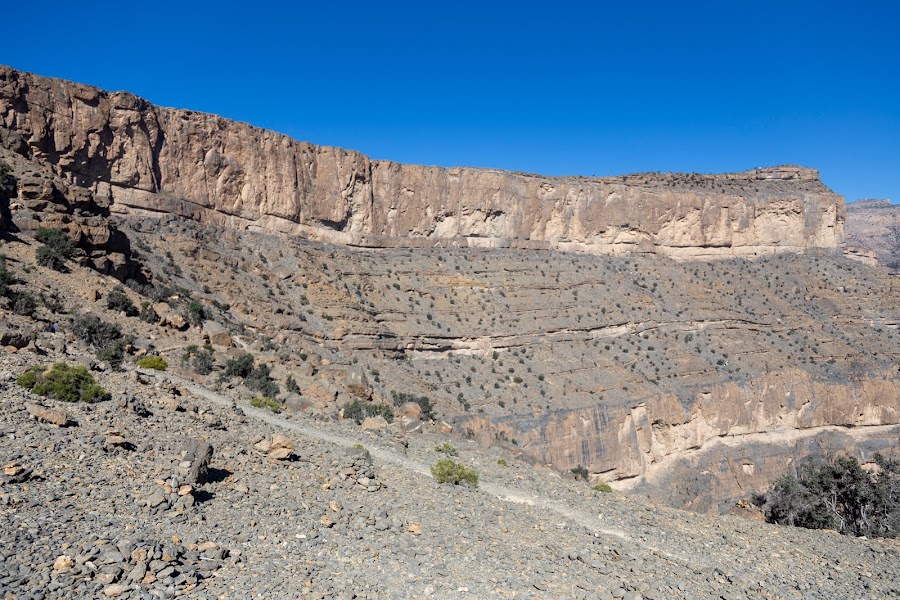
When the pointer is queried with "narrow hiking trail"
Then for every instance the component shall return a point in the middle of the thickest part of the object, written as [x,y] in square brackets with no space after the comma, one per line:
[394,458]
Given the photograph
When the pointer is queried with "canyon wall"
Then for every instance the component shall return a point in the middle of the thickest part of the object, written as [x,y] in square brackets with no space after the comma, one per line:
[139,157]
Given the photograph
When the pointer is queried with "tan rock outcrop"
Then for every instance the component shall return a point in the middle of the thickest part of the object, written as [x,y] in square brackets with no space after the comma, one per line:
[139,157]
[873,232]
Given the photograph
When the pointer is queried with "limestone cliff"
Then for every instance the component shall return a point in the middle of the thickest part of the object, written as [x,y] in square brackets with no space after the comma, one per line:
[137,156]
[873,230]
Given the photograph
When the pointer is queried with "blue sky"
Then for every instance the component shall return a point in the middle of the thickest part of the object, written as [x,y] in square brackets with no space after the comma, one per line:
[554,88]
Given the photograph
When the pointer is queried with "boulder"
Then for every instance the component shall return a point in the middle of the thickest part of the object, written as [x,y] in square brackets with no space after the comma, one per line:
[217,334]
[194,464]
[411,410]
[47,415]
[374,424]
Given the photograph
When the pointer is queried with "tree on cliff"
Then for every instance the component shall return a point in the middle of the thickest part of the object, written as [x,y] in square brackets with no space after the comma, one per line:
[839,494]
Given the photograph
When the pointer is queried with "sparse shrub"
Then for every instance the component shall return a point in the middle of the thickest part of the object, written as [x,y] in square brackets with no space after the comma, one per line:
[359,410]
[195,314]
[241,366]
[56,250]
[502,462]
[119,301]
[266,402]
[260,379]
[157,363]
[147,313]
[53,303]
[839,494]
[106,338]
[580,472]
[450,471]
[291,385]
[603,488]
[6,278]
[63,382]
[446,448]
[199,359]
[23,303]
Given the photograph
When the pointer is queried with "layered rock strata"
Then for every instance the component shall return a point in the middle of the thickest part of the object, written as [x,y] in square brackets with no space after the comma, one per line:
[137,156]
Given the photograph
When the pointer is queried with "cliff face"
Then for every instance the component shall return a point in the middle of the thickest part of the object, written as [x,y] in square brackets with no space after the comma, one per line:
[873,230]
[140,157]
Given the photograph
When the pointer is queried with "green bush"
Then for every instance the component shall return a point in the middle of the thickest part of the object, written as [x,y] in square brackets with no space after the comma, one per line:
[447,449]
[241,367]
[840,495]
[63,382]
[359,410]
[580,472]
[57,248]
[501,462]
[106,338]
[199,359]
[266,402]
[195,314]
[6,278]
[603,488]
[23,303]
[119,301]
[450,471]
[157,363]
[260,380]
[147,313]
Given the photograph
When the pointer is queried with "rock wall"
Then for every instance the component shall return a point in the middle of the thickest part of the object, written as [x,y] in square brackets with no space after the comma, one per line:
[873,232]
[137,156]
[750,426]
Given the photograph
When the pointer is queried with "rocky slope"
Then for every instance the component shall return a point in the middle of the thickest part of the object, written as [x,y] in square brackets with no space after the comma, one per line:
[110,503]
[874,227]
[694,382]
[136,156]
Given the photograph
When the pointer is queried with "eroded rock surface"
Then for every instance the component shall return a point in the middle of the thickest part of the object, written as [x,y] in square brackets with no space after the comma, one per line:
[136,156]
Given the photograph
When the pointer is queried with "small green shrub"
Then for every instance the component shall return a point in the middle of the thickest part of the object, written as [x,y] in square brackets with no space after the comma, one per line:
[580,472]
[359,410]
[260,379]
[241,367]
[23,303]
[199,359]
[450,471]
[447,449]
[107,339]
[157,363]
[147,313]
[119,301]
[57,248]
[266,402]
[603,488]
[501,462]
[291,385]
[195,314]
[63,382]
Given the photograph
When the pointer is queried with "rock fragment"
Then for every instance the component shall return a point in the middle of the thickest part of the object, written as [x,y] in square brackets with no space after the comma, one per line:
[47,415]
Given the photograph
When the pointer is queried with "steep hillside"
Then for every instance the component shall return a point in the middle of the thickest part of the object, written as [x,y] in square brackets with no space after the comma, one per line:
[692,381]
[874,226]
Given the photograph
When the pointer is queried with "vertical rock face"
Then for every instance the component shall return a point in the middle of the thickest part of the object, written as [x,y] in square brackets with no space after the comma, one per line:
[873,229]
[141,157]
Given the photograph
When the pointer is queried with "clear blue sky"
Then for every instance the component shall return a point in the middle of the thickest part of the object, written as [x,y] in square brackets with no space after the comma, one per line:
[554,88]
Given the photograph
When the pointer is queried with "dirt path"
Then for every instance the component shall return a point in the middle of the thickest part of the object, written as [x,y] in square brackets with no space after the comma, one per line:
[391,457]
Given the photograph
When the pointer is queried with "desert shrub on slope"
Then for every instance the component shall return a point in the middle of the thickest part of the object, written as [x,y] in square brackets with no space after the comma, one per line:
[840,495]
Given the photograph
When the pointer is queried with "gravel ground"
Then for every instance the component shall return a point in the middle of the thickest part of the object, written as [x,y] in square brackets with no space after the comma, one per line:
[120,503]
